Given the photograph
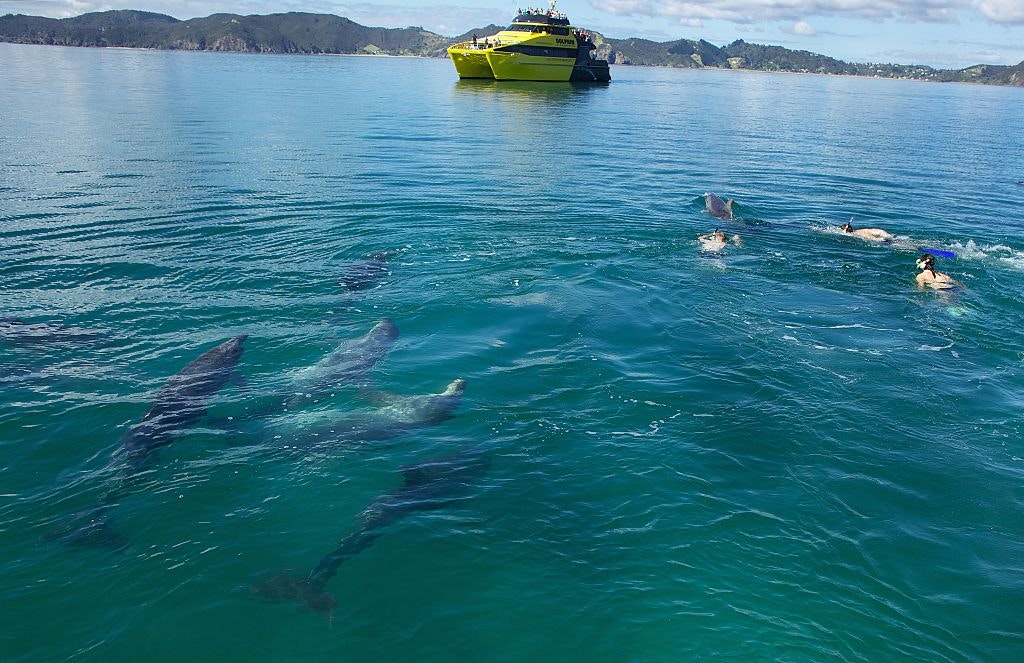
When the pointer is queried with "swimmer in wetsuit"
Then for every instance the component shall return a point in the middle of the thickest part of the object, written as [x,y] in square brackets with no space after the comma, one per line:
[870,234]
[929,278]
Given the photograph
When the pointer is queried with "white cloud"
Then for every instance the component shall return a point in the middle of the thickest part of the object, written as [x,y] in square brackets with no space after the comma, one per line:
[626,7]
[1002,11]
[802,28]
[753,11]
[951,55]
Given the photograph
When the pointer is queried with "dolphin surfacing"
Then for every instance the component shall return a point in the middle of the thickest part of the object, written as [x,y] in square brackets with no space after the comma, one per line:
[717,207]
[180,403]
[430,485]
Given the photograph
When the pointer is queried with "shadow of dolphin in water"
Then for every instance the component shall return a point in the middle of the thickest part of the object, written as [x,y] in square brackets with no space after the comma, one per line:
[180,403]
[17,331]
[430,485]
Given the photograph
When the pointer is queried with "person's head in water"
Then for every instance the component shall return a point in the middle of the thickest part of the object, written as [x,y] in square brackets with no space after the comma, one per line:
[847,227]
[719,235]
[926,262]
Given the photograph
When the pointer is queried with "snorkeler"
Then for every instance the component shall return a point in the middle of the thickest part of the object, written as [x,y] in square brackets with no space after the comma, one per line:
[716,241]
[870,234]
[929,278]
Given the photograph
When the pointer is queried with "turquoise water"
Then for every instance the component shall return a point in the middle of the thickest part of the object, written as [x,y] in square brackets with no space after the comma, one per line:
[781,452]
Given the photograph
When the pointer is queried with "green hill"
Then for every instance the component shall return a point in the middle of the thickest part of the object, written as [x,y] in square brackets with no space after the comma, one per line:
[775,58]
[275,33]
[298,32]
[989,74]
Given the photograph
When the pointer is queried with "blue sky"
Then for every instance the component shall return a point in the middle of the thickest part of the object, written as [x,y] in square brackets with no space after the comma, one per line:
[940,33]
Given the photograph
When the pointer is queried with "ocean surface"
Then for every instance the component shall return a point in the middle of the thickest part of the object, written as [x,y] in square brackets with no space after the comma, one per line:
[783,451]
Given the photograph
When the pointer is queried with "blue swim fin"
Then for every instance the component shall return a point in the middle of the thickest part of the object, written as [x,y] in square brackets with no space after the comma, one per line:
[937,252]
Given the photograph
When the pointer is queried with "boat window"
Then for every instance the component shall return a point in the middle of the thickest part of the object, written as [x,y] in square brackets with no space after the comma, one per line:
[541,51]
[539,29]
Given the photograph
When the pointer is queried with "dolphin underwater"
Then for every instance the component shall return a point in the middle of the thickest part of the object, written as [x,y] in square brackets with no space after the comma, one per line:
[366,274]
[180,403]
[434,484]
[716,207]
[15,330]
[349,363]
[397,415]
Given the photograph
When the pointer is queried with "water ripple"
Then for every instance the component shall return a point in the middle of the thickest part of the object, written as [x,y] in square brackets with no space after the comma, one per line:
[781,451]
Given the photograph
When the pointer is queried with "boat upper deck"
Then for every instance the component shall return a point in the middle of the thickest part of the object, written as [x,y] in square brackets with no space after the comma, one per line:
[538,17]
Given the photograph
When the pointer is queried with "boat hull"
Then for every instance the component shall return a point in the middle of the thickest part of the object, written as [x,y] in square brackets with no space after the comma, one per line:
[470,63]
[508,66]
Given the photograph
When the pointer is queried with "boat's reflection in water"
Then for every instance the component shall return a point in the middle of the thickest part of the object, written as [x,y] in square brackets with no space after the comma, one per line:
[523,125]
[531,91]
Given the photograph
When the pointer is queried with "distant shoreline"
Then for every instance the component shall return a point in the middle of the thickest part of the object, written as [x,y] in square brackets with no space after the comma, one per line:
[434,57]
[208,50]
[303,33]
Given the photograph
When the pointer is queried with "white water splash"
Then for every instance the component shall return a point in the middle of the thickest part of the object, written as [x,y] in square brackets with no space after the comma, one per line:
[970,250]
[1006,255]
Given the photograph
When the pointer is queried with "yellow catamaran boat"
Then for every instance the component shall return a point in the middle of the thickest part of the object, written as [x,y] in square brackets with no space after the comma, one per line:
[537,46]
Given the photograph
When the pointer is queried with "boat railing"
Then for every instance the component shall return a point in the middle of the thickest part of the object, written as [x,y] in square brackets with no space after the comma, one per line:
[479,45]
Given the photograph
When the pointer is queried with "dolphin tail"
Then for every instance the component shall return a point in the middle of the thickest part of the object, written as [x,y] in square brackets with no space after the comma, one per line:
[88,529]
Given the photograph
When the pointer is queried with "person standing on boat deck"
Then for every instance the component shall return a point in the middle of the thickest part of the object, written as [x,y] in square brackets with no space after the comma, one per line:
[474,40]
